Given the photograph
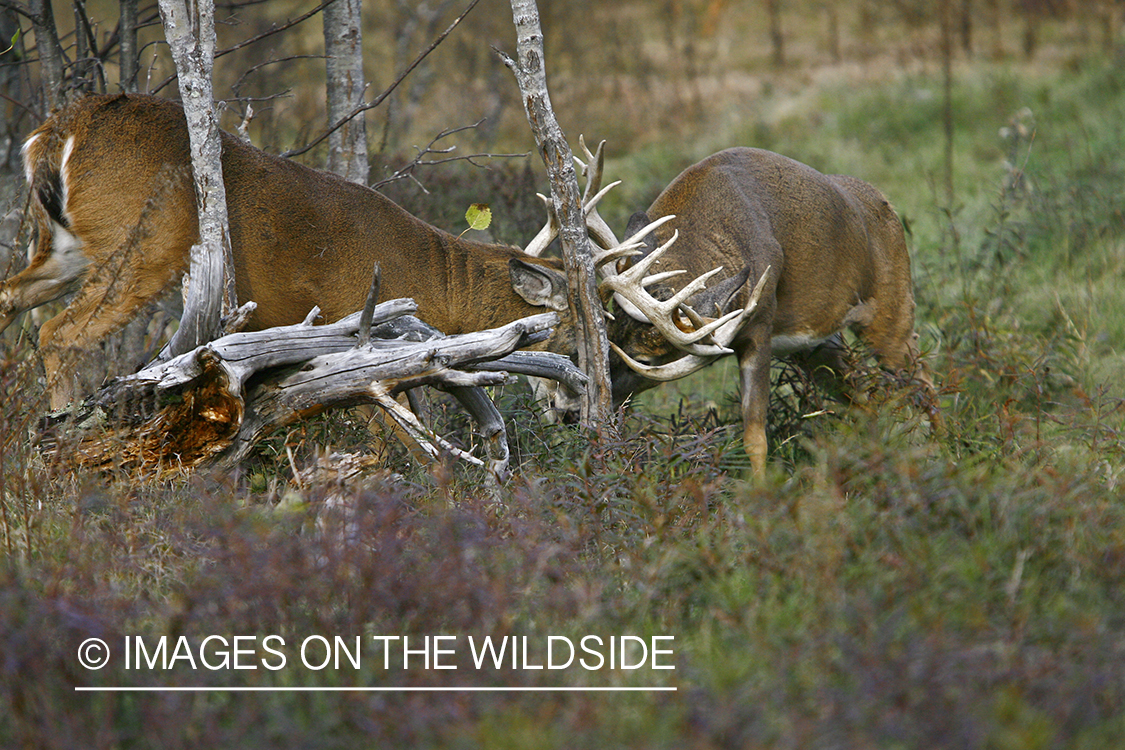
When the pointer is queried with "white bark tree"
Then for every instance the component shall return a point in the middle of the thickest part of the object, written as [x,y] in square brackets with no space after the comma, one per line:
[593,347]
[189,26]
[343,46]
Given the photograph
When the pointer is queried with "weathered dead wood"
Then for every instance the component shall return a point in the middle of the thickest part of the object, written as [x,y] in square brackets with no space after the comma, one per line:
[588,314]
[210,406]
[189,27]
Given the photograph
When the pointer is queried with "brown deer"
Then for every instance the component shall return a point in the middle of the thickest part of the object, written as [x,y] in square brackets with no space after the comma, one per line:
[114,203]
[807,255]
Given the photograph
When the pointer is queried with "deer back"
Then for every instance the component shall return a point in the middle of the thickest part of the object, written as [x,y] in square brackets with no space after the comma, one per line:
[113,173]
[832,243]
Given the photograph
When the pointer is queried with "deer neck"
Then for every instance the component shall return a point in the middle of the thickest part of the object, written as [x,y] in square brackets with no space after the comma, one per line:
[473,290]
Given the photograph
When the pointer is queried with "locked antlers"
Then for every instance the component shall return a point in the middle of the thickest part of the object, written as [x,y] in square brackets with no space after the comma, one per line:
[701,340]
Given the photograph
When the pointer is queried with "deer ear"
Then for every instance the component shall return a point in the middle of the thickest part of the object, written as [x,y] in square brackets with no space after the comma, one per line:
[539,285]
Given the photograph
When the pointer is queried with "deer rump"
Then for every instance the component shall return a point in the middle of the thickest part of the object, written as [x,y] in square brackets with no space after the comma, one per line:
[823,252]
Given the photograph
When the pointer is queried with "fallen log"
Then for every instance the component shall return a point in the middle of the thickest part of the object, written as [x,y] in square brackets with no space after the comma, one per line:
[210,406]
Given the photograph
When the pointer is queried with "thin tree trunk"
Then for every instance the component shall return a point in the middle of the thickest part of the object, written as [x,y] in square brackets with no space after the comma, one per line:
[590,328]
[947,87]
[343,46]
[11,80]
[130,55]
[50,51]
[189,26]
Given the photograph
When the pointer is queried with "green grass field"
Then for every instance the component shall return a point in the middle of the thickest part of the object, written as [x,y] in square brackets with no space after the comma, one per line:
[885,586]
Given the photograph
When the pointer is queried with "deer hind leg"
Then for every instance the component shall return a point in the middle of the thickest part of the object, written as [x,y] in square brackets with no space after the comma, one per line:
[106,302]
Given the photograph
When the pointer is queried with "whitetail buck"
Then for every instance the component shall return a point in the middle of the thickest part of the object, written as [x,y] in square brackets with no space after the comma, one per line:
[806,256]
[115,207]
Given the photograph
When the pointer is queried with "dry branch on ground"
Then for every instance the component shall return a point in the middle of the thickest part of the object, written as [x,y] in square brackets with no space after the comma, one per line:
[210,406]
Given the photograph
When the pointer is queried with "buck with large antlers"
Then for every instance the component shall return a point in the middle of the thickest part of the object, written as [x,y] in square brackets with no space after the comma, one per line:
[806,256]
[114,203]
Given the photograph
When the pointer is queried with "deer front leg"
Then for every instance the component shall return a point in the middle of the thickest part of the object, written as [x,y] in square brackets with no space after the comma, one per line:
[754,371]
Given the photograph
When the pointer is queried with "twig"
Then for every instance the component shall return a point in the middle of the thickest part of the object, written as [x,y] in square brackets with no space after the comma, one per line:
[275,29]
[388,91]
[237,85]
[420,159]
[246,42]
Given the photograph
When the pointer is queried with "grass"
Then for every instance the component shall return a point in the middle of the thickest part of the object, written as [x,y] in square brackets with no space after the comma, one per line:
[885,586]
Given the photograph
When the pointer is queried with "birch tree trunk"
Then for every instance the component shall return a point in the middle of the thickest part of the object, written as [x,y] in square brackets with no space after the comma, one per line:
[343,46]
[590,328]
[189,26]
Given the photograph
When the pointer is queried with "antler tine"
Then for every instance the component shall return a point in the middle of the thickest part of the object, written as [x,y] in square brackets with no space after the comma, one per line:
[729,326]
[602,257]
[631,293]
[548,233]
[726,332]
[725,328]
[692,288]
[599,230]
[597,227]
[636,273]
[656,278]
[652,226]
[592,167]
[637,241]
[588,205]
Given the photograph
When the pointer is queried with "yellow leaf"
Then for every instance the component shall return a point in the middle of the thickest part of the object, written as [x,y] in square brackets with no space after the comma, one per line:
[479,216]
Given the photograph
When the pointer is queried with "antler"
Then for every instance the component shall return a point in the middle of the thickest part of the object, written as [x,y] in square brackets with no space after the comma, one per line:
[599,230]
[630,291]
[690,363]
[700,339]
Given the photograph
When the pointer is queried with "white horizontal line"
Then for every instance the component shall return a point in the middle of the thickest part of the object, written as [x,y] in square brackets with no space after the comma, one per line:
[299,689]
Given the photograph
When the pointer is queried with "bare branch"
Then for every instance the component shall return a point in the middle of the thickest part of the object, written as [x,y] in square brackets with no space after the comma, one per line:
[247,42]
[369,308]
[211,405]
[388,91]
[407,171]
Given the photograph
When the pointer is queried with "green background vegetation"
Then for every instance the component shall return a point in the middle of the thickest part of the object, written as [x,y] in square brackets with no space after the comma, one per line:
[884,587]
